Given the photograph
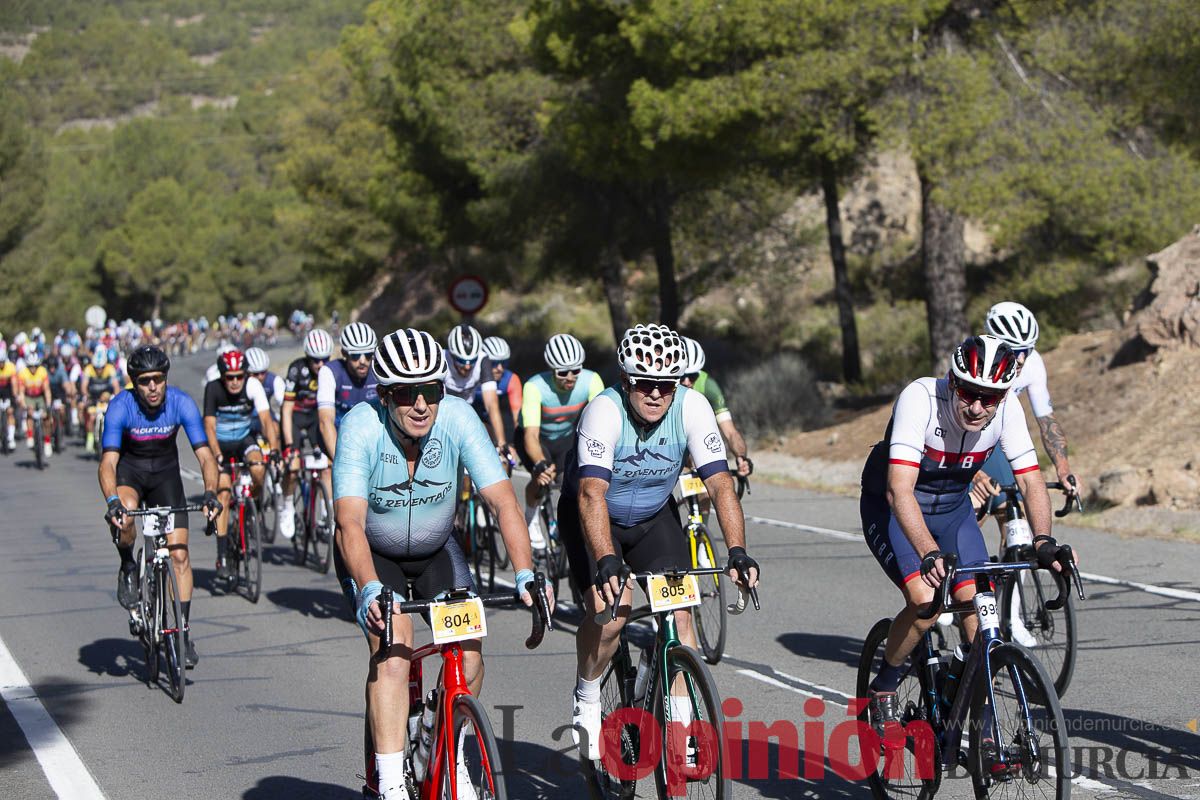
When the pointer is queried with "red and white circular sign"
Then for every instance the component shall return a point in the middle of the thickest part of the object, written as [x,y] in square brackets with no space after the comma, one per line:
[468,294]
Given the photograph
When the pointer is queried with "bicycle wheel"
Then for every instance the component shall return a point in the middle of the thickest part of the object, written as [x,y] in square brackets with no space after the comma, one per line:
[39,453]
[321,539]
[252,556]
[554,549]
[894,778]
[57,434]
[686,665]
[172,629]
[300,517]
[1051,635]
[1037,755]
[148,609]
[616,692]
[269,507]
[476,755]
[710,615]
[484,545]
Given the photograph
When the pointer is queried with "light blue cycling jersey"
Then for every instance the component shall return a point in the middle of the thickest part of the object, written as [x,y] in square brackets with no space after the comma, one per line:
[643,464]
[411,516]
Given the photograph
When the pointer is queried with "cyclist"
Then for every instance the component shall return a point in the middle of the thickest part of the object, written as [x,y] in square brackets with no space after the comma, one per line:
[299,415]
[471,370]
[616,506]
[141,463]
[507,384]
[697,379]
[258,364]
[62,393]
[8,380]
[553,401]
[1014,324]
[915,507]
[98,378]
[230,404]
[346,382]
[398,462]
[33,392]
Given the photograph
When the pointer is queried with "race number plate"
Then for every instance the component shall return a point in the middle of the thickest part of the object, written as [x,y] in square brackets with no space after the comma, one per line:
[667,594]
[457,621]
[985,606]
[689,485]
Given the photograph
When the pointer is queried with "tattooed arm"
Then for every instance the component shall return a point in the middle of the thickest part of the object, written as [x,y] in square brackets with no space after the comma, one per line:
[1055,442]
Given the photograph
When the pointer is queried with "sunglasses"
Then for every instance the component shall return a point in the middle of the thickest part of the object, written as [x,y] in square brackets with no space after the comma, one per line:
[464,362]
[147,380]
[691,377]
[970,396]
[499,365]
[566,373]
[406,395]
[1023,351]
[359,356]
[648,385]
[235,376]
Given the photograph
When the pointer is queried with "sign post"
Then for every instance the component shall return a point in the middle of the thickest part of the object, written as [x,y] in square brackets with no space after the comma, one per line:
[468,295]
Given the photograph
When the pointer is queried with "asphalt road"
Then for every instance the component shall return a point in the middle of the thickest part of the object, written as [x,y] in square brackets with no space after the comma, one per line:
[274,707]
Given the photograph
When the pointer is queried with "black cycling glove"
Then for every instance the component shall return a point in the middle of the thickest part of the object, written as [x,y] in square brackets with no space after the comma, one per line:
[211,502]
[929,561]
[116,510]
[610,566]
[741,564]
[1049,551]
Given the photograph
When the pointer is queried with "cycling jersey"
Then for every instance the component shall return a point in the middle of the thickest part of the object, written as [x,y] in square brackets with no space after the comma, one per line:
[97,382]
[149,439]
[8,375]
[273,385]
[480,377]
[58,382]
[708,387]
[553,411]
[642,465]
[924,433]
[509,386]
[33,382]
[411,516]
[338,389]
[300,386]
[234,412]
[1033,380]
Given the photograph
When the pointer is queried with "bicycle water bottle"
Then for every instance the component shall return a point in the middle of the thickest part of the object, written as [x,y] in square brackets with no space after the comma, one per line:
[425,740]
[643,673]
[954,672]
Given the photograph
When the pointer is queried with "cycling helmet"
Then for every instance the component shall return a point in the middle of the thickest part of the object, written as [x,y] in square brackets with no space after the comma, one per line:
[318,344]
[651,351]
[148,358]
[464,343]
[1013,324]
[409,356]
[233,361]
[984,362]
[52,363]
[695,356]
[497,349]
[257,360]
[357,337]
[100,357]
[66,351]
[32,358]
[563,351]
[224,348]
[35,334]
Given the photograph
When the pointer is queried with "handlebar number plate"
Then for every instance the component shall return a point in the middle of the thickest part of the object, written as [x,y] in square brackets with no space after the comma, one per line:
[989,616]
[457,621]
[691,486]
[668,594]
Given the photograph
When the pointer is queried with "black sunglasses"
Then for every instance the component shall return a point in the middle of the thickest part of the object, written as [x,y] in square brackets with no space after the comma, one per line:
[648,385]
[359,356]
[146,380]
[407,394]
[566,373]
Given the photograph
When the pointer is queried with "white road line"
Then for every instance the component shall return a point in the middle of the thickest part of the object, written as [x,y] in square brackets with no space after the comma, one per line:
[1177,594]
[67,774]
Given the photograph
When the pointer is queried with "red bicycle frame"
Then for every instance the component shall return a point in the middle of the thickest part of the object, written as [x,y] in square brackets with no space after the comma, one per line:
[243,493]
[452,683]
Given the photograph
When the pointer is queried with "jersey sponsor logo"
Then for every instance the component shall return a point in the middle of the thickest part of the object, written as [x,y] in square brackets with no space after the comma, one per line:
[712,442]
[433,454]
[595,447]
[406,488]
[647,462]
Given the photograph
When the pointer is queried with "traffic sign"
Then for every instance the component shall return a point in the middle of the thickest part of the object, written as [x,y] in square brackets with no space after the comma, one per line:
[468,294]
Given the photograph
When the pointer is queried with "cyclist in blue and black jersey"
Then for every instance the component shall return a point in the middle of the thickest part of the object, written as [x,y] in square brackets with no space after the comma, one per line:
[345,382]
[298,419]
[508,387]
[140,464]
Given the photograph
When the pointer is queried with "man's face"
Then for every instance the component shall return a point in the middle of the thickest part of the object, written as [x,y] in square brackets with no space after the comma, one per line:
[650,397]
[974,407]
[359,364]
[413,408]
[463,366]
[152,388]
[1021,354]
[235,382]
[498,368]
[565,379]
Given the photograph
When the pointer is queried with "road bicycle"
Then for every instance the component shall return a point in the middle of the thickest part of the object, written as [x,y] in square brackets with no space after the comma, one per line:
[313,541]
[272,494]
[1017,737]
[58,422]
[684,754]
[243,542]
[6,405]
[157,617]
[39,450]
[449,727]
[99,409]
[710,615]
[479,534]
[554,557]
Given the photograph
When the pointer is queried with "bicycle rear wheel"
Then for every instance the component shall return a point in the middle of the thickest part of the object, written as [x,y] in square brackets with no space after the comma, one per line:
[1035,749]
[616,692]
[1026,621]
[321,539]
[172,632]
[555,553]
[38,449]
[475,752]
[252,555]
[711,779]
[897,772]
[710,616]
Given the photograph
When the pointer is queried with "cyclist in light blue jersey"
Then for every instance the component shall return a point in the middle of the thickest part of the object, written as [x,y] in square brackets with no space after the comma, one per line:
[394,475]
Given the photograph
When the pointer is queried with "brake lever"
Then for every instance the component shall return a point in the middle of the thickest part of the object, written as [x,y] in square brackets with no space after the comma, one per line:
[600,618]
[541,613]
[950,561]
[385,641]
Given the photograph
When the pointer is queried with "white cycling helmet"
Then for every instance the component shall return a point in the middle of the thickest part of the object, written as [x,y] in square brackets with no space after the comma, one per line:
[357,337]
[100,357]
[652,351]
[1013,324]
[563,351]
[984,362]
[318,344]
[257,360]
[409,356]
[224,348]
[497,349]
[464,342]
[33,358]
[695,356]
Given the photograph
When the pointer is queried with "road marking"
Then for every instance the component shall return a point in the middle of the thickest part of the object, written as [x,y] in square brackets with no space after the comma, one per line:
[67,774]
[1164,591]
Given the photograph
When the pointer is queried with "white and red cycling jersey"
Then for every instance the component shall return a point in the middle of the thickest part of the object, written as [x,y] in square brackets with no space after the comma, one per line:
[924,433]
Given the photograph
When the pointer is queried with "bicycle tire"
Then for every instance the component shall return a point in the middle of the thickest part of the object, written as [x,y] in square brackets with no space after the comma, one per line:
[706,706]
[322,530]
[269,507]
[1049,727]
[483,760]
[486,545]
[554,572]
[252,556]
[57,435]
[39,453]
[710,616]
[300,521]
[148,608]
[173,627]
[912,707]
[1054,631]
[616,692]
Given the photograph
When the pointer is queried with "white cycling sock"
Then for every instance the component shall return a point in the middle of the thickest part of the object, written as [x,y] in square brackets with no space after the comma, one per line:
[12,431]
[681,710]
[289,502]
[390,767]
[587,691]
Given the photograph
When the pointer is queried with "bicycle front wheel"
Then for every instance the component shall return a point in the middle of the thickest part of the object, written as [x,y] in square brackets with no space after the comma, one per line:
[251,565]
[1049,634]
[269,507]
[689,759]
[148,610]
[1026,754]
[38,449]
[475,756]
[322,528]
[710,616]
[172,632]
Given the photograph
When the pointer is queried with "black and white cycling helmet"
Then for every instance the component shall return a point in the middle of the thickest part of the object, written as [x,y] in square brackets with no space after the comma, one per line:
[1013,324]
[984,362]
[464,343]
[257,360]
[652,351]
[695,356]
[318,344]
[147,358]
[564,351]
[497,349]
[409,356]
[357,337]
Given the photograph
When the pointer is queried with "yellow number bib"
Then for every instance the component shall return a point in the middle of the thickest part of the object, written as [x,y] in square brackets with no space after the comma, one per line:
[457,621]
[667,594]
[691,485]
